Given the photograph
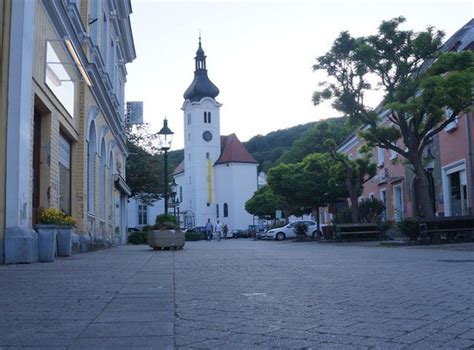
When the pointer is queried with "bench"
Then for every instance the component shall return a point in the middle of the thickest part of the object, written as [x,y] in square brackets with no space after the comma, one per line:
[447,229]
[357,231]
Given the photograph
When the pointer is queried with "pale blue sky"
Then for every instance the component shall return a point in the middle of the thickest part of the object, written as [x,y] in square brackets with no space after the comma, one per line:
[259,54]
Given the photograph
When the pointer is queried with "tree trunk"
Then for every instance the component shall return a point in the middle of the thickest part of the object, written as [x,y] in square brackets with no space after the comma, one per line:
[318,224]
[353,197]
[423,193]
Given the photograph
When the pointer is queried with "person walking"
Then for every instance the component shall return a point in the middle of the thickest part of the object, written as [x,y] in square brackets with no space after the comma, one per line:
[218,230]
[225,230]
[208,230]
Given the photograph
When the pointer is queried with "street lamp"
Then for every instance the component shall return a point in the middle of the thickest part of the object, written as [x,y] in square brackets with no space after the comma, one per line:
[165,136]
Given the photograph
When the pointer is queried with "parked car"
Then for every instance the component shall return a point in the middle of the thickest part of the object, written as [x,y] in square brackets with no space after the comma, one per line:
[197,229]
[287,231]
[236,234]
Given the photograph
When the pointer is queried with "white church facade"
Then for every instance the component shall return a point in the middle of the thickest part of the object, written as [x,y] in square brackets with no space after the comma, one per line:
[218,175]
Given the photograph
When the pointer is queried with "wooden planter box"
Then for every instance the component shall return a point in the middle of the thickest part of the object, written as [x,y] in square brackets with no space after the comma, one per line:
[166,239]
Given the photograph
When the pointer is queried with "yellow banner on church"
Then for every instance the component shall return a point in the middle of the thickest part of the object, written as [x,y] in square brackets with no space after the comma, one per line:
[209,181]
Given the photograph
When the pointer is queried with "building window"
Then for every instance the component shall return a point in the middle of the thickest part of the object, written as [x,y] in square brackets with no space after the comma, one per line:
[142,215]
[207,117]
[189,137]
[190,180]
[393,154]
[226,210]
[207,155]
[455,189]
[102,172]
[189,156]
[217,210]
[398,208]
[372,195]
[180,194]
[380,156]
[383,198]
[104,41]
[64,174]
[189,118]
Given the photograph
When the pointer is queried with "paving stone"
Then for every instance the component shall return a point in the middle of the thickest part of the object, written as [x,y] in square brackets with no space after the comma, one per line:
[241,294]
[133,329]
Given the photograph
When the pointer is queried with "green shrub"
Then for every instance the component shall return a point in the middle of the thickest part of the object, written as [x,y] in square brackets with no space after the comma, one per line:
[165,222]
[194,236]
[409,227]
[147,228]
[300,229]
[138,238]
[371,210]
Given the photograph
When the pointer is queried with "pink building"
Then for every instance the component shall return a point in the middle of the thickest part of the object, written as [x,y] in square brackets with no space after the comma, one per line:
[451,167]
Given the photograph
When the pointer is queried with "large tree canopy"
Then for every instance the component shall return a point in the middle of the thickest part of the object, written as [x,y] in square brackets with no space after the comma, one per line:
[423,90]
[265,203]
[311,183]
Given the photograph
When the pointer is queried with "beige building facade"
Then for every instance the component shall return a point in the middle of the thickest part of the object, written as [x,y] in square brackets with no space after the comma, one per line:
[65,130]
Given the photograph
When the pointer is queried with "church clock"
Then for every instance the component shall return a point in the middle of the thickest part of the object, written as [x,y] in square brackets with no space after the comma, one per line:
[207,136]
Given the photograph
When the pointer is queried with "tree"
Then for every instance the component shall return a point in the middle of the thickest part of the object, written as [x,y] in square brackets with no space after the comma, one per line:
[419,85]
[144,167]
[265,203]
[312,183]
[356,173]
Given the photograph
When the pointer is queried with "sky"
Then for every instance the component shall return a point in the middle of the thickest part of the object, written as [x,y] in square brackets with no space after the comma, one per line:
[259,54]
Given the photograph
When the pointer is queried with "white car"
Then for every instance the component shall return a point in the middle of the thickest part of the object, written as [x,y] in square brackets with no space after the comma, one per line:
[287,231]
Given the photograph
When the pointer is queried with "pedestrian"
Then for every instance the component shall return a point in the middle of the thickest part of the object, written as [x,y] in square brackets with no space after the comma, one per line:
[218,230]
[208,230]
[226,229]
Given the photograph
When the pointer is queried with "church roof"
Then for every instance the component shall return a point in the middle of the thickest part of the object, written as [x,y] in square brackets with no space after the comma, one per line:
[179,169]
[201,85]
[233,151]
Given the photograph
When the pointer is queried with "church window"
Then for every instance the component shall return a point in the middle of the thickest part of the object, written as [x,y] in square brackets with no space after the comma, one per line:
[207,155]
[189,156]
[142,214]
[226,210]
[189,137]
[209,117]
[189,118]
[181,193]
[217,210]
[205,117]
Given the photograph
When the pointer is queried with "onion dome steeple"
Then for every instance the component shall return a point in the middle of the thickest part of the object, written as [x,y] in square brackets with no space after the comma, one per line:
[201,86]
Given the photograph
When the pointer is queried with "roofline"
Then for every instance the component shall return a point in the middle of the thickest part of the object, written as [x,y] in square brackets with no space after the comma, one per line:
[234,161]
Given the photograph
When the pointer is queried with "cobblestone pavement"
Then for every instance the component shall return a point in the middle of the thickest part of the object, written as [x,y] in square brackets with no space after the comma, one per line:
[242,294]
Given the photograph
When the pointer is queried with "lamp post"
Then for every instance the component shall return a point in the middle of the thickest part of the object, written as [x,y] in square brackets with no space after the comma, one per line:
[165,136]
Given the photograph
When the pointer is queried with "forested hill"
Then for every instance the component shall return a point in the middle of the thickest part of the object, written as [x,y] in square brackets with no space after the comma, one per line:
[287,145]
[266,149]
[293,144]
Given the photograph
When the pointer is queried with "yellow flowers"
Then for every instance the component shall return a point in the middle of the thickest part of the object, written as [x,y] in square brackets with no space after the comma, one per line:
[54,216]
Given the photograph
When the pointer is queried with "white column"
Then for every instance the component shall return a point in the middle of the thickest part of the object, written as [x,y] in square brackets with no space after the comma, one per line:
[19,238]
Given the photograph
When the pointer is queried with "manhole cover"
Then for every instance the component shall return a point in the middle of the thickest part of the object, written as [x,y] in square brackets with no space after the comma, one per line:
[457,261]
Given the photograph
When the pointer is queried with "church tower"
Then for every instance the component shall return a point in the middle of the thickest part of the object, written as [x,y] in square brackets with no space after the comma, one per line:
[202,145]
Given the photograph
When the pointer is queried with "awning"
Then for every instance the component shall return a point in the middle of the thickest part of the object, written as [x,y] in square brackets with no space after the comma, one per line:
[121,185]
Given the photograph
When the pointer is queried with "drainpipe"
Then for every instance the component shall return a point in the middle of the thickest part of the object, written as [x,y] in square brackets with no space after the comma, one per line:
[469,159]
